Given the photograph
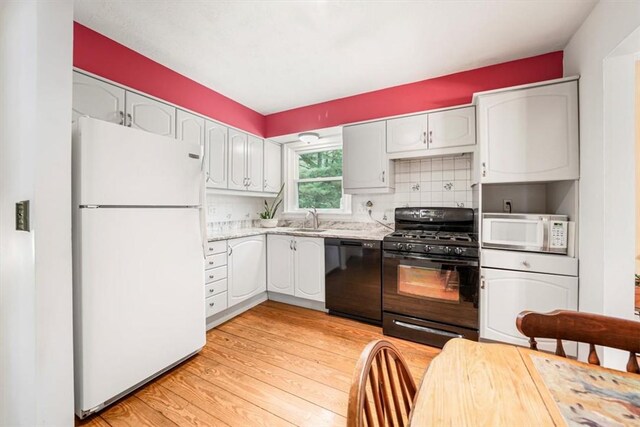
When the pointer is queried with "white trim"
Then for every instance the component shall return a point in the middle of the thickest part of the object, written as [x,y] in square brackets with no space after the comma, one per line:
[290,173]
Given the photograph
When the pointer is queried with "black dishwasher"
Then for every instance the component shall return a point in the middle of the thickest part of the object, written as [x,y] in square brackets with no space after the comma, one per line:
[353,278]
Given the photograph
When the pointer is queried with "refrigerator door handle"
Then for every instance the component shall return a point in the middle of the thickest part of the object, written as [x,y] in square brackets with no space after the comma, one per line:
[203,218]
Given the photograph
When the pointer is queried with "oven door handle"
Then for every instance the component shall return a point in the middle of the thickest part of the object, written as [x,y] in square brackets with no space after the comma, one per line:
[432,259]
[426,329]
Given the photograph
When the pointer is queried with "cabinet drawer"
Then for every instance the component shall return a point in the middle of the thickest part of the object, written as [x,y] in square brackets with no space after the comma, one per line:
[531,262]
[215,304]
[215,274]
[215,261]
[214,288]
[216,247]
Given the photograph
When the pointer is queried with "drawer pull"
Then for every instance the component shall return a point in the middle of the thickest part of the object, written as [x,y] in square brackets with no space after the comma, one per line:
[211,290]
[211,276]
[211,304]
[526,263]
[210,248]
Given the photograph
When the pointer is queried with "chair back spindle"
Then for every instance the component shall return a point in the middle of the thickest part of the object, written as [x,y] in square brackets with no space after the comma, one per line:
[383,391]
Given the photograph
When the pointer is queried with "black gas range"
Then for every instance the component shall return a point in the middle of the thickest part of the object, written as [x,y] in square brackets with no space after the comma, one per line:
[431,275]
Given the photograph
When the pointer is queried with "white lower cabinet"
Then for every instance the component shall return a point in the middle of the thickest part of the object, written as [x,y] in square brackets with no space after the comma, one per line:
[246,268]
[504,294]
[296,266]
[280,264]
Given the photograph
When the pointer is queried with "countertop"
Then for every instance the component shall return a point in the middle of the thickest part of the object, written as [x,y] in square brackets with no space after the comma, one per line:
[366,234]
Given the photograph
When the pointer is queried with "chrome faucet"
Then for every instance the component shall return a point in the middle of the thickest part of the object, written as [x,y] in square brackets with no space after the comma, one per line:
[314,214]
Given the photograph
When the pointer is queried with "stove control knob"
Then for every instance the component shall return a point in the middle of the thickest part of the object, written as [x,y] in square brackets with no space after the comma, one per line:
[447,250]
[458,251]
[428,248]
[409,246]
[400,246]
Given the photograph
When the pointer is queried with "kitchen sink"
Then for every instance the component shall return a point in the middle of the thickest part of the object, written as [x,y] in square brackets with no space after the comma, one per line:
[308,230]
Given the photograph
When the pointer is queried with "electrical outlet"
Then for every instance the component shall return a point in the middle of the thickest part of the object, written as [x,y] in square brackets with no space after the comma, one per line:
[506,205]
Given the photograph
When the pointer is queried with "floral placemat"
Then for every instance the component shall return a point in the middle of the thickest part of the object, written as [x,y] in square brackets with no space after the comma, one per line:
[590,397]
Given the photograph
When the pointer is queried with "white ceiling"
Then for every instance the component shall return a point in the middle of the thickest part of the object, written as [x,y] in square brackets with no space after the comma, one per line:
[276,55]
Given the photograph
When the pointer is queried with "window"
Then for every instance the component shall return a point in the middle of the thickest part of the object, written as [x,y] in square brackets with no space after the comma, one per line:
[315,178]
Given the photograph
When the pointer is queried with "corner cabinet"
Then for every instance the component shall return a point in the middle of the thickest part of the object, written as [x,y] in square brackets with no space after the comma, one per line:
[296,266]
[529,135]
[504,294]
[272,166]
[246,264]
[365,165]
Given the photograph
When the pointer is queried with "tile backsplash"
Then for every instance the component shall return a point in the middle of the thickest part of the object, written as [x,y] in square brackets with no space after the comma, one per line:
[440,181]
[435,182]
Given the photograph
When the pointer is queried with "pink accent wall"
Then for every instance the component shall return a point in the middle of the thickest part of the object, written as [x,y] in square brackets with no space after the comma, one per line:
[104,57]
[439,92]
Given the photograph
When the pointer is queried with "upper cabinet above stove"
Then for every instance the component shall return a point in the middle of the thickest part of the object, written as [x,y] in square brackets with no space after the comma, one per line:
[529,135]
[427,134]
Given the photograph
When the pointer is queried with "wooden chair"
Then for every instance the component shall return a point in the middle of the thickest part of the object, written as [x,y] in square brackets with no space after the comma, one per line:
[593,329]
[381,380]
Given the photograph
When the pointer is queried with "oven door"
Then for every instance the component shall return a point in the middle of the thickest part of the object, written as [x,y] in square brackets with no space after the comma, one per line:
[439,290]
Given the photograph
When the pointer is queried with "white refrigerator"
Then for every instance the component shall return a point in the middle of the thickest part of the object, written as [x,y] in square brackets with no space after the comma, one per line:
[138,258]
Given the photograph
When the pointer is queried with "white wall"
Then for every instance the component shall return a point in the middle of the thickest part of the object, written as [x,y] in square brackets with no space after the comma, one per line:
[36,335]
[604,182]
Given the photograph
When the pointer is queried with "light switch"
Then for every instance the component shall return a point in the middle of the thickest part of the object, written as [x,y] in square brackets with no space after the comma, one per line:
[22,216]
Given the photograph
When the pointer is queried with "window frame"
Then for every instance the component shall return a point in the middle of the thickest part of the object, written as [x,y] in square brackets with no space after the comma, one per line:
[292,154]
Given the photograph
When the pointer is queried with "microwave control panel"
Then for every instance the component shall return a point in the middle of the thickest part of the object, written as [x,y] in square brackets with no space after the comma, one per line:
[558,234]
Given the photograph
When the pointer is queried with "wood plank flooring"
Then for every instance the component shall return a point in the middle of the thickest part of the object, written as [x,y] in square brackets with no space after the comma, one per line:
[274,365]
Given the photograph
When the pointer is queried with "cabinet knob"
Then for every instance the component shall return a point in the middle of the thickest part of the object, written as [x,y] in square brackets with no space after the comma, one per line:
[211,276]
[211,291]
[526,263]
[430,137]
[211,304]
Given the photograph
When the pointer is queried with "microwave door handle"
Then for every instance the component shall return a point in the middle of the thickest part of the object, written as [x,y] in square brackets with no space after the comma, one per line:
[545,234]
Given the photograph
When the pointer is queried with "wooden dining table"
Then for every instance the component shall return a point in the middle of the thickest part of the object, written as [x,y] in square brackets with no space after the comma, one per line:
[487,384]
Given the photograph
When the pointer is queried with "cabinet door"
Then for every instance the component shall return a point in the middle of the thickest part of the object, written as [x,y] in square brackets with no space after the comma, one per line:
[280,271]
[272,166]
[97,99]
[530,134]
[189,127]
[364,162]
[452,128]
[237,177]
[504,294]
[246,268]
[255,163]
[309,268]
[407,134]
[216,149]
[150,115]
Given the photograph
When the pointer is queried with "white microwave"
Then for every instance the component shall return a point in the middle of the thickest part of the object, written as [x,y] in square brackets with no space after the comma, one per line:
[526,232]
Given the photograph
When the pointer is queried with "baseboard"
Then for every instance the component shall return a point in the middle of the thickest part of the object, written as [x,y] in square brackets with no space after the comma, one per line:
[230,313]
[300,302]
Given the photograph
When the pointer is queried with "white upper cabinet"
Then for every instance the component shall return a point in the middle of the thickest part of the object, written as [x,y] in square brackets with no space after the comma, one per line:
[97,99]
[529,135]
[246,264]
[365,165]
[504,294]
[255,163]
[272,166]
[309,268]
[150,115]
[407,134]
[237,160]
[452,128]
[280,264]
[189,127]
[216,149]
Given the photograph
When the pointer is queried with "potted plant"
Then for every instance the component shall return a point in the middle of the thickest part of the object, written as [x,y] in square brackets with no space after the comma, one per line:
[267,216]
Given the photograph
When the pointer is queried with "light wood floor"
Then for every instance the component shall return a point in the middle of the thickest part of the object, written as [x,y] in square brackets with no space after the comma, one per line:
[275,365]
